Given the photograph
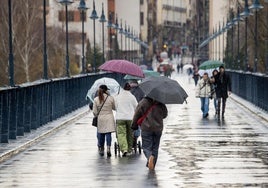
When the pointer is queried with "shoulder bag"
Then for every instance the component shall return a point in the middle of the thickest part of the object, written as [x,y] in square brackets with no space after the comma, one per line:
[141,119]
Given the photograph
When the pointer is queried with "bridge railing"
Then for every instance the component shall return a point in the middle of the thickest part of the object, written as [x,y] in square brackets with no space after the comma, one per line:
[251,87]
[29,106]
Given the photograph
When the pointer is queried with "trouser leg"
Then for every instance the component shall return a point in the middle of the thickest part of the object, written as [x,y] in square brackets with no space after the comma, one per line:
[202,104]
[223,106]
[121,135]
[150,144]
[101,139]
[129,135]
[219,107]
[147,143]
[108,139]
[156,143]
[206,106]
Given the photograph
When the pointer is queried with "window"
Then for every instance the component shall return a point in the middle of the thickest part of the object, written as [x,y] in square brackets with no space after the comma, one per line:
[142,18]
[141,2]
[71,16]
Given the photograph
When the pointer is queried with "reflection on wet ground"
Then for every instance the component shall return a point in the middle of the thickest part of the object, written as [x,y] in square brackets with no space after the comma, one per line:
[194,152]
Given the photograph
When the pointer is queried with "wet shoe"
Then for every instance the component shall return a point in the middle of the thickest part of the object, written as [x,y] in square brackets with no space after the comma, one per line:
[124,154]
[151,162]
[109,152]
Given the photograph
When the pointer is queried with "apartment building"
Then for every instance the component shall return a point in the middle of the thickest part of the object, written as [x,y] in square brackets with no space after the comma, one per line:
[112,9]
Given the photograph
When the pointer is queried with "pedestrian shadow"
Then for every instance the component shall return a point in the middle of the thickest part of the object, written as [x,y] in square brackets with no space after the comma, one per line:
[212,122]
[152,178]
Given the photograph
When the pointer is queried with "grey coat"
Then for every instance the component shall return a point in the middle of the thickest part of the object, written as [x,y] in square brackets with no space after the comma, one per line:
[106,121]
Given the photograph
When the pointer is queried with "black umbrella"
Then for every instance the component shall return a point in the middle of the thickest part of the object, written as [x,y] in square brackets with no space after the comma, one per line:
[164,90]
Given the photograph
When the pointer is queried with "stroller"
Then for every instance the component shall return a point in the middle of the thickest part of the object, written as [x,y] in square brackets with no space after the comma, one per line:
[136,143]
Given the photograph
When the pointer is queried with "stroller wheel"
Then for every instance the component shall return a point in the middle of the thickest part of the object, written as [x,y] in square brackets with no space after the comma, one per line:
[139,146]
[115,148]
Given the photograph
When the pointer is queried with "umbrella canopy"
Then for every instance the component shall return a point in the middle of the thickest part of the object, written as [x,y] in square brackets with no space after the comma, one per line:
[147,73]
[210,64]
[122,66]
[143,67]
[111,83]
[164,90]
[187,66]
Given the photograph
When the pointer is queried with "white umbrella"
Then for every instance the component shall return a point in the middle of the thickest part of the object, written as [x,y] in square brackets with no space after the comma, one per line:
[187,66]
[111,83]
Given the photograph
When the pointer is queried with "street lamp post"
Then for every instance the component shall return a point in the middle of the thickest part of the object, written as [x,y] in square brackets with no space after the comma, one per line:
[245,15]
[129,39]
[266,67]
[94,16]
[102,20]
[45,42]
[256,6]
[236,21]
[82,7]
[11,57]
[116,27]
[126,34]
[110,25]
[66,3]
[219,34]
[121,31]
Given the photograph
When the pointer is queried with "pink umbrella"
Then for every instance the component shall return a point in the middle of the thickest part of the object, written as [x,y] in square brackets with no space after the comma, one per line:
[122,66]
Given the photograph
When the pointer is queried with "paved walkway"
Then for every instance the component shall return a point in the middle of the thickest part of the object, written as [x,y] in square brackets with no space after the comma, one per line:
[194,152]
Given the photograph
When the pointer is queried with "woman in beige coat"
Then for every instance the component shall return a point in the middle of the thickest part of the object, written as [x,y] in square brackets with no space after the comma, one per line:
[106,122]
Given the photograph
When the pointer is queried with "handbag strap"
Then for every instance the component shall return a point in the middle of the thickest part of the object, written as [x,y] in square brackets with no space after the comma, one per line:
[102,106]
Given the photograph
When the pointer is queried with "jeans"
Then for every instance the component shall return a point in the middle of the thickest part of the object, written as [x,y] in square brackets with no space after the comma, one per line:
[216,104]
[204,105]
[101,139]
[150,144]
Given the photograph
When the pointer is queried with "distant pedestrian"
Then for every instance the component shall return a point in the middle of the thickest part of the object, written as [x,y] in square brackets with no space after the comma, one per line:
[151,127]
[125,104]
[203,91]
[196,76]
[106,122]
[223,90]
[213,90]
[190,73]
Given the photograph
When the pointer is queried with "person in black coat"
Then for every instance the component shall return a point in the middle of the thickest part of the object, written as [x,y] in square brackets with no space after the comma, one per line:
[223,90]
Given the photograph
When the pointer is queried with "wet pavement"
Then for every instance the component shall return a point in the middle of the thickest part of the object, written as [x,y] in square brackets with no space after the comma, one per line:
[194,153]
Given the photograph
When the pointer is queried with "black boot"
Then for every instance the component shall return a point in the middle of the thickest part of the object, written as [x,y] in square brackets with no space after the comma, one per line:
[101,151]
[109,151]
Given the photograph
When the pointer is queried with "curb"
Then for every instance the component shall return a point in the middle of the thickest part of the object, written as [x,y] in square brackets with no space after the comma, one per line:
[23,147]
[249,109]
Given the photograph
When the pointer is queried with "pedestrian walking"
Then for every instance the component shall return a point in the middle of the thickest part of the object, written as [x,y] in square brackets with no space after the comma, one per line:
[151,127]
[196,75]
[106,122]
[125,104]
[213,90]
[223,90]
[190,74]
[203,91]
